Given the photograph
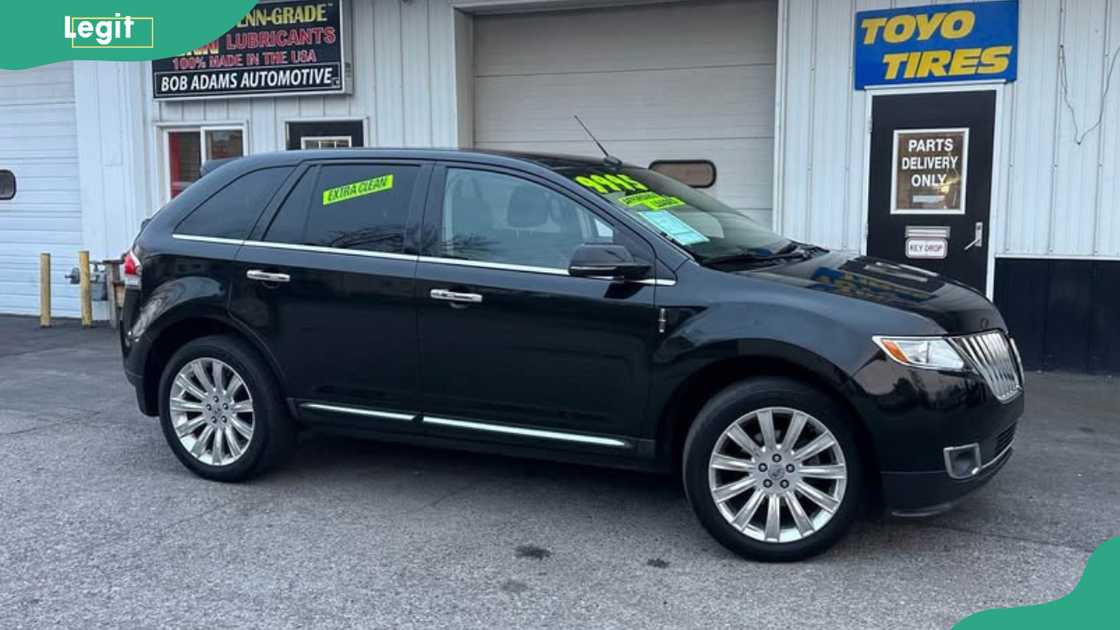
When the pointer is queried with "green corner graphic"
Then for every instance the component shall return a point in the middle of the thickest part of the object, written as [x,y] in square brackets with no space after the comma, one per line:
[1093,603]
[112,30]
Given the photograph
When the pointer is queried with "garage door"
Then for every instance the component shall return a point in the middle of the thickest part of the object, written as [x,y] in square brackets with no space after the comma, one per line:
[38,142]
[678,81]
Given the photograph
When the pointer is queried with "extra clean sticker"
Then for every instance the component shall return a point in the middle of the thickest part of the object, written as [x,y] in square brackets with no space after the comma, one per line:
[651,200]
[357,189]
[673,227]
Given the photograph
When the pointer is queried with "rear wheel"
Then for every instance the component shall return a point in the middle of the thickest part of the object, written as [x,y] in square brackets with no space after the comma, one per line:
[772,469]
[221,411]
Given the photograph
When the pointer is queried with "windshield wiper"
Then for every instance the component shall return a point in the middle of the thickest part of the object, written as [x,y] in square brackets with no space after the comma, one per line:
[792,251]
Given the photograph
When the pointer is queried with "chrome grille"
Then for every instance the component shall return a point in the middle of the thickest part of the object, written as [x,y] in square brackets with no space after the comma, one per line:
[991,354]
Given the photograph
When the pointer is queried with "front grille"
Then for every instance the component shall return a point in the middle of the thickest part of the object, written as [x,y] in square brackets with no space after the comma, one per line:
[1004,439]
[991,355]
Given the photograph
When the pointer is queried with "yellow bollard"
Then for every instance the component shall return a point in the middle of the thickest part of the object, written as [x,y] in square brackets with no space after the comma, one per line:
[45,290]
[83,289]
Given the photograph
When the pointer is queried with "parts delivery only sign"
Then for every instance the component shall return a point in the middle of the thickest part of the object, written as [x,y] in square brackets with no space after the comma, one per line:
[929,171]
[286,47]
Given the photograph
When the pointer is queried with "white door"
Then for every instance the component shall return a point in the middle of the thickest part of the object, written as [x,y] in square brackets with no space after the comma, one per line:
[678,81]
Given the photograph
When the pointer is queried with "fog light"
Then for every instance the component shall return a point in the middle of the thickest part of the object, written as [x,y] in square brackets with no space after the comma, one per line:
[962,462]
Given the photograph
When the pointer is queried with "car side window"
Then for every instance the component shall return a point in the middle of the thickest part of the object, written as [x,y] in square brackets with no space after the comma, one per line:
[492,217]
[360,206]
[290,223]
[232,211]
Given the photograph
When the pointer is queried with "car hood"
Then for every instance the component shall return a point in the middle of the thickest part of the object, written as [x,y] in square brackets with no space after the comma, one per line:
[954,306]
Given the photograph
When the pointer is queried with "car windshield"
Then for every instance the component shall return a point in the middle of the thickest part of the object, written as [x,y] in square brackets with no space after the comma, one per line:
[706,228]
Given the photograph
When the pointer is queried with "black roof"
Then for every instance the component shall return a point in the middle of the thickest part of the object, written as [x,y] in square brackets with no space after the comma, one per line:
[545,160]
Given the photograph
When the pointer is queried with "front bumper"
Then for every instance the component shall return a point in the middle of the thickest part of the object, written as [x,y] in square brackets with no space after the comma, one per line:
[927,493]
[913,416]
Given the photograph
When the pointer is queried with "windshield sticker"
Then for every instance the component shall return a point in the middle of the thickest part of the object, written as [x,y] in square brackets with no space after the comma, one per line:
[357,189]
[651,200]
[673,227]
[606,184]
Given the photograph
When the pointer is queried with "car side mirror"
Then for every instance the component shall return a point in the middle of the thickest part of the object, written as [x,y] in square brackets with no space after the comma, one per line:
[607,261]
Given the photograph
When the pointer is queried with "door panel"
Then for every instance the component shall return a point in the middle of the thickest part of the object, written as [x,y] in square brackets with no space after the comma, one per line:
[539,350]
[342,323]
[343,328]
[523,342]
[911,216]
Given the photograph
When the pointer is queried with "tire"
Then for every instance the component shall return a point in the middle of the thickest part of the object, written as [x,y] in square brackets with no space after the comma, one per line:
[228,443]
[739,520]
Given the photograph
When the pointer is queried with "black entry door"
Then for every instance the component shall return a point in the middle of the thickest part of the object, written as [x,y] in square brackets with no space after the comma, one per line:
[930,182]
[507,338]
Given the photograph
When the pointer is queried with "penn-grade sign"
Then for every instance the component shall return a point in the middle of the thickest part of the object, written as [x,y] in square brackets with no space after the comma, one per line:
[280,47]
[938,43]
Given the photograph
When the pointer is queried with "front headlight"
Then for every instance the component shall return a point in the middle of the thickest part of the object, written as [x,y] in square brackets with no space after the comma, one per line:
[930,353]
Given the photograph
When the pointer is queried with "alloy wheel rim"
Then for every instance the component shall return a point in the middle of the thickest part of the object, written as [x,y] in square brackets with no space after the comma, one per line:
[212,411]
[777,475]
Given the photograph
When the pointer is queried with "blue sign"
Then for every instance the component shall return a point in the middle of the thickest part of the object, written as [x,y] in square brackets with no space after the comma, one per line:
[946,42]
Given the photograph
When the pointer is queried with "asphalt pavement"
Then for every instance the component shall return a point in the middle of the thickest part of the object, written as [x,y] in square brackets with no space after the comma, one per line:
[102,527]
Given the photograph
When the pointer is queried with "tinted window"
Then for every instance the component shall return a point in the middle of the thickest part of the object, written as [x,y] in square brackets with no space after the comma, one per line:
[708,229]
[361,206]
[232,211]
[499,218]
[290,222]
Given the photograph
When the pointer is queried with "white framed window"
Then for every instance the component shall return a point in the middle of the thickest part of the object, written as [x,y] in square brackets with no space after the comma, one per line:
[325,142]
[187,148]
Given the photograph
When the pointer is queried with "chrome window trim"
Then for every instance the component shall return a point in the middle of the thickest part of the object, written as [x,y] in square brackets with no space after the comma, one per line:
[330,250]
[357,411]
[551,271]
[295,247]
[524,432]
[208,239]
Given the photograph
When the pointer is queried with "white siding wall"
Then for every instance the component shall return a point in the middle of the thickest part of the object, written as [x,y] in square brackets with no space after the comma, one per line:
[1058,197]
[38,142]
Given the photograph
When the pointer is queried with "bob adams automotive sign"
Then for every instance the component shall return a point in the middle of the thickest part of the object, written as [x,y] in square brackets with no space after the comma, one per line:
[279,48]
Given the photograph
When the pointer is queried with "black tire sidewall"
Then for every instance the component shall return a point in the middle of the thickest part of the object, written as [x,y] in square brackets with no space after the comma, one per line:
[731,404]
[266,407]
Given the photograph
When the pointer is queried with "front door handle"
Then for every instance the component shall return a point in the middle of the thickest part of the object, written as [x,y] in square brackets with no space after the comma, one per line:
[455,296]
[978,239]
[267,276]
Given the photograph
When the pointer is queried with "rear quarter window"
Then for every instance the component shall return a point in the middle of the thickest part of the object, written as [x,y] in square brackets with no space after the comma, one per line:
[232,211]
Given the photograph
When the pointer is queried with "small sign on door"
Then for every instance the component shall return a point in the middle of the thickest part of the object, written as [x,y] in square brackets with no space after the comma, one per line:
[928,171]
[927,242]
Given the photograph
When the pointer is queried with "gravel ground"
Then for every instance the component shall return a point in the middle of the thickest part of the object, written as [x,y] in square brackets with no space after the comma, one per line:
[104,528]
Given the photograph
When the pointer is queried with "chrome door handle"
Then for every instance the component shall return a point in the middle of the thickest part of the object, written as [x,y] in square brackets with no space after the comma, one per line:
[978,240]
[454,296]
[265,276]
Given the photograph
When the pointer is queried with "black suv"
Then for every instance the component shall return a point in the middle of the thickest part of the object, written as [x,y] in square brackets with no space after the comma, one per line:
[565,308]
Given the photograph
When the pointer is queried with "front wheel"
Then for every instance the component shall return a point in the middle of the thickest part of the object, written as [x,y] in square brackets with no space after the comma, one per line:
[772,469]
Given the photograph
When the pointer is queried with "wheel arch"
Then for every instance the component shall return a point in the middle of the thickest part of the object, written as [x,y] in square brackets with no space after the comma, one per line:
[702,384]
[176,334]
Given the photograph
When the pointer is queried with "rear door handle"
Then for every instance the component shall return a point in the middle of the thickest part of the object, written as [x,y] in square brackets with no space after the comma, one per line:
[455,296]
[267,276]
